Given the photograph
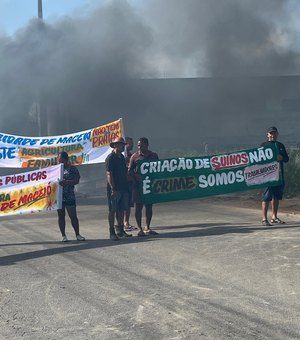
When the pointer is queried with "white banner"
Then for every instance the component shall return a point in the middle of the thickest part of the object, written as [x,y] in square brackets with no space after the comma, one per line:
[85,147]
[32,191]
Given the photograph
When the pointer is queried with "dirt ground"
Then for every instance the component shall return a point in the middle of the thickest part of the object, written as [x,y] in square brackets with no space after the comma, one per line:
[212,272]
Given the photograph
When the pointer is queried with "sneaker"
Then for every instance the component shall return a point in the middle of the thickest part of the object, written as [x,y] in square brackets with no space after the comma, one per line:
[266,223]
[130,227]
[113,237]
[120,232]
[64,239]
[125,234]
[80,238]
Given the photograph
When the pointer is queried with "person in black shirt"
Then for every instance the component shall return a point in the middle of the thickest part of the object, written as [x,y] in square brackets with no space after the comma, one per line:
[274,194]
[117,189]
[70,179]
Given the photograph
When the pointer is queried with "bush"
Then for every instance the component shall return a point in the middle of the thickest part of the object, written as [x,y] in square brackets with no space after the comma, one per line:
[292,173]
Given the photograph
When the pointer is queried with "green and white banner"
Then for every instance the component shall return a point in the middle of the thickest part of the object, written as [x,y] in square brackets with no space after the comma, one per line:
[184,178]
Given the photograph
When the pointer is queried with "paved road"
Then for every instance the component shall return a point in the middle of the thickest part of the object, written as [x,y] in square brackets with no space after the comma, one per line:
[212,273]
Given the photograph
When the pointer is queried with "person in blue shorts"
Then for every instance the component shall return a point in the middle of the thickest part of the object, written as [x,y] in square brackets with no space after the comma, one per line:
[274,194]
[117,189]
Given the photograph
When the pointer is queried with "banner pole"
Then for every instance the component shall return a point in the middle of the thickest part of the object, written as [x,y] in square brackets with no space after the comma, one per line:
[60,188]
[280,171]
[123,135]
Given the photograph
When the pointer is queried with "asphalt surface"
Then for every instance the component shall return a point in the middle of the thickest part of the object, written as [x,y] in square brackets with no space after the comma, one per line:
[213,272]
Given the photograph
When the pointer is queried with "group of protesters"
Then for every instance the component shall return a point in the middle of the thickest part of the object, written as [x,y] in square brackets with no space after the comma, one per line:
[122,190]
[123,182]
[123,187]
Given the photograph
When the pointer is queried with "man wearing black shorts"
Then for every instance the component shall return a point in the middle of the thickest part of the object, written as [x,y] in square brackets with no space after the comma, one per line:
[274,194]
[143,153]
[117,189]
[70,179]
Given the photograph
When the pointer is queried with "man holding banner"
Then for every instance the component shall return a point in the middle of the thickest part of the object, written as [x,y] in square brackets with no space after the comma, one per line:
[71,177]
[117,189]
[274,193]
[143,153]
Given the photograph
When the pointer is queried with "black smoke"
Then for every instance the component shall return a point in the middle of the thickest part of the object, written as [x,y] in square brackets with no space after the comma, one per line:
[227,37]
[88,70]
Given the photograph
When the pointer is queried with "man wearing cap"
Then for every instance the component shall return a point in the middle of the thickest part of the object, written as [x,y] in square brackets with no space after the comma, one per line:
[117,188]
[274,194]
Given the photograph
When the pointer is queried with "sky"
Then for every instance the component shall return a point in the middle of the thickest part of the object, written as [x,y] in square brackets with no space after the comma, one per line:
[15,14]
[187,37]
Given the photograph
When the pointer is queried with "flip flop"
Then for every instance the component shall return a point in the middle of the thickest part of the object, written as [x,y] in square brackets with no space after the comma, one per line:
[277,221]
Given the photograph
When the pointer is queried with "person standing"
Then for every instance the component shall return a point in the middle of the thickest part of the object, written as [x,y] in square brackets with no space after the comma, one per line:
[274,194]
[117,189]
[128,154]
[71,178]
[143,153]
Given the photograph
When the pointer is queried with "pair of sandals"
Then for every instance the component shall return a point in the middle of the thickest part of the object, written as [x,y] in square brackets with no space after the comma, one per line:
[273,221]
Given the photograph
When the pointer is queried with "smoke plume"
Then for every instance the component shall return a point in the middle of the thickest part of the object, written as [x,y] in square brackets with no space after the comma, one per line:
[82,71]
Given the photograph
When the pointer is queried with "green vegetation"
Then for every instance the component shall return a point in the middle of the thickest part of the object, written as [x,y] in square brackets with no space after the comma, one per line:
[292,174]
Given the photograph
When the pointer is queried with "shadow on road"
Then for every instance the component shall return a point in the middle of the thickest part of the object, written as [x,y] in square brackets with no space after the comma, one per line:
[72,246]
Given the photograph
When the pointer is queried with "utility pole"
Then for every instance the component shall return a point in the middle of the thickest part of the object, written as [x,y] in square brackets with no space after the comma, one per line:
[38,105]
[46,117]
[40,9]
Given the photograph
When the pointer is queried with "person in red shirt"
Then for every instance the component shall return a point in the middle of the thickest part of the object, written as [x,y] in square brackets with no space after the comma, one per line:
[143,153]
